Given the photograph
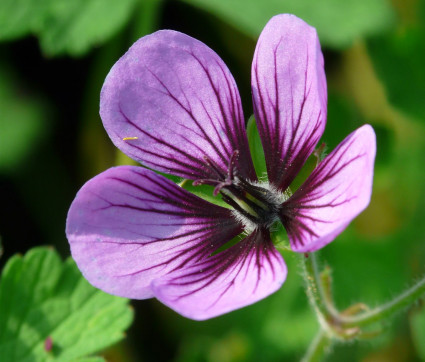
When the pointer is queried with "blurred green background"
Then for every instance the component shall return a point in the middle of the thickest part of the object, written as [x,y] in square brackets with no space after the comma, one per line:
[54,56]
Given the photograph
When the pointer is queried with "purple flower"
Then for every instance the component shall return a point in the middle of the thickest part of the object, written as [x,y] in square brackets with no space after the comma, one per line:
[171,103]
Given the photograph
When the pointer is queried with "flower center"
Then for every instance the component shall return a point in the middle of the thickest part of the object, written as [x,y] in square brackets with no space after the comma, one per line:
[256,205]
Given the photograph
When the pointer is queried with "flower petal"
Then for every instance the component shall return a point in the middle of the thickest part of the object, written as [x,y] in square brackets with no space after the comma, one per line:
[289,95]
[335,193]
[169,102]
[238,276]
[129,226]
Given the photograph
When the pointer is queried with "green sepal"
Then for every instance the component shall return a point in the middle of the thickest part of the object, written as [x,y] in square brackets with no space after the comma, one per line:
[256,148]
[204,192]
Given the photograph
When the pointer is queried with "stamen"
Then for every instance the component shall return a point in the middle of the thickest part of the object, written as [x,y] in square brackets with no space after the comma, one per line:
[230,173]
[218,188]
[253,204]
[258,202]
[204,181]
[241,203]
[222,180]
[241,211]
[213,166]
[231,169]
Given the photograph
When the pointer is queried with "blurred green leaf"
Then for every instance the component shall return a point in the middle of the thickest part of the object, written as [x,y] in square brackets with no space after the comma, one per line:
[20,17]
[90,359]
[256,148]
[22,121]
[338,23]
[399,59]
[417,324]
[41,297]
[63,26]
[343,118]
[75,26]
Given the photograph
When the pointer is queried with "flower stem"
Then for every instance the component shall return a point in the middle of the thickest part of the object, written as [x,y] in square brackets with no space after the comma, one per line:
[318,295]
[386,310]
[347,324]
[318,348]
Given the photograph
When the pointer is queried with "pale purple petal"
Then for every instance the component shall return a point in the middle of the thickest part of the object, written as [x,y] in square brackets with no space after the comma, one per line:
[169,102]
[289,95]
[335,193]
[129,226]
[241,275]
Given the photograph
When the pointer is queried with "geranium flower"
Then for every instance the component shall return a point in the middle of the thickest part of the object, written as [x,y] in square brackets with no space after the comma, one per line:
[171,103]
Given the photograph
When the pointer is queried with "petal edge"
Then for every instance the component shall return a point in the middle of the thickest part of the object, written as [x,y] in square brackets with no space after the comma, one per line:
[289,95]
[239,276]
[129,226]
[335,193]
[169,102]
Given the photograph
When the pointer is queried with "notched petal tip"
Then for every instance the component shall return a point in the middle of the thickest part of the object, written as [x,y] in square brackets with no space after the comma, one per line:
[333,195]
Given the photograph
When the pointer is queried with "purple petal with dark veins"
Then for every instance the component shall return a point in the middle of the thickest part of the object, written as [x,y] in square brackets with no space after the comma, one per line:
[169,102]
[335,193]
[241,275]
[129,226]
[289,95]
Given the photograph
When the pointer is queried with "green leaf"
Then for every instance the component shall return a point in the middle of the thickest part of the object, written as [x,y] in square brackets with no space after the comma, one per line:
[22,120]
[256,148]
[42,297]
[417,325]
[338,23]
[74,27]
[64,26]
[20,17]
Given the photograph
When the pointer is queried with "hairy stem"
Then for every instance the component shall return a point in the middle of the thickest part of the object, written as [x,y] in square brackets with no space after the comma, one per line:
[347,324]
[318,348]
[316,292]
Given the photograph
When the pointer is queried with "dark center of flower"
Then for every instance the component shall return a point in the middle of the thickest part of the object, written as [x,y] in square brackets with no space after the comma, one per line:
[255,204]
